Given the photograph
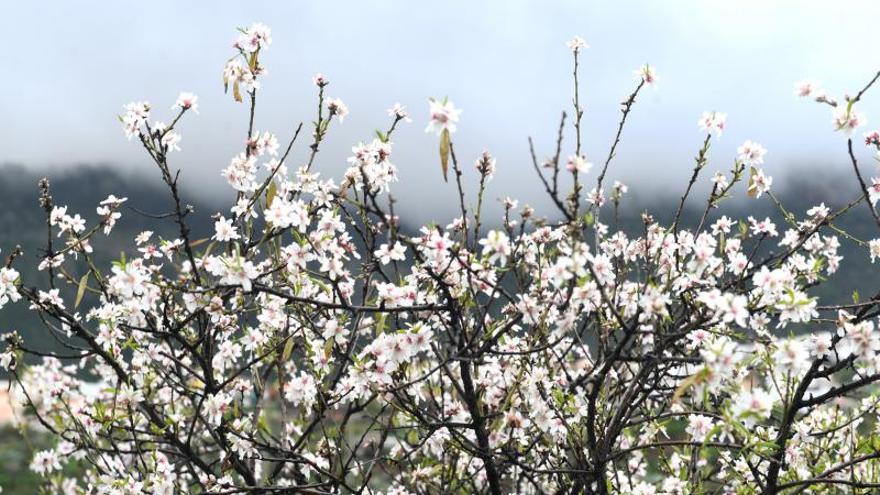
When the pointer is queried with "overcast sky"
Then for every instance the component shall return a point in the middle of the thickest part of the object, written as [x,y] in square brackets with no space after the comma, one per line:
[70,66]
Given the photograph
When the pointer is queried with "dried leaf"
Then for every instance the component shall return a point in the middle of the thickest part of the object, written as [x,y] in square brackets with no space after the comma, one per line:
[270,193]
[751,190]
[236,92]
[686,384]
[444,153]
[81,290]
[199,241]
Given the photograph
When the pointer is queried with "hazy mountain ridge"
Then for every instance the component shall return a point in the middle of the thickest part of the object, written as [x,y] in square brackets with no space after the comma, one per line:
[82,187]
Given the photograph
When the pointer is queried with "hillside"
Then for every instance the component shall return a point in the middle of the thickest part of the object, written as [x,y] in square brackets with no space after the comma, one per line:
[82,187]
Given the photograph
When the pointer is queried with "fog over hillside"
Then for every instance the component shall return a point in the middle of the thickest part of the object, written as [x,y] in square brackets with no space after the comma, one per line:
[511,77]
[81,187]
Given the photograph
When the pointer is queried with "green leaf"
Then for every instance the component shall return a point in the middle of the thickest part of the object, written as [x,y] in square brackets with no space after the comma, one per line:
[770,446]
[81,290]
[736,425]
[714,431]
[99,410]
[412,437]
[855,297]
[262,424]
[444,153]
[288,349]
[380,323]
[588,218]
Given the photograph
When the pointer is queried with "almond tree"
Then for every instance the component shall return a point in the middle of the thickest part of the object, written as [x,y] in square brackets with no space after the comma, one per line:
[314,346]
